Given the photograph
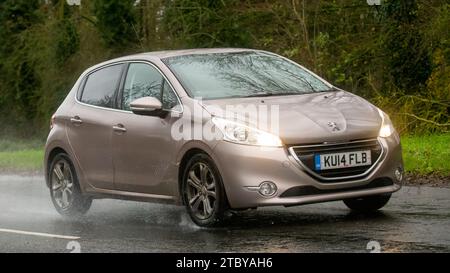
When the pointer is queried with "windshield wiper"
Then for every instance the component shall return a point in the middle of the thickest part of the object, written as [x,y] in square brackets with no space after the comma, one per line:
[270,94]
[262,94]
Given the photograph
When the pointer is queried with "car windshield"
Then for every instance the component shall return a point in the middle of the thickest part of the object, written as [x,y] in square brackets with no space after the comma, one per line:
[242,74]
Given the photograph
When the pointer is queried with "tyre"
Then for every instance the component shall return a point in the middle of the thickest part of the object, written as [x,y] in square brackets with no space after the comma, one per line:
[368,203]
[65,189]
[202,191]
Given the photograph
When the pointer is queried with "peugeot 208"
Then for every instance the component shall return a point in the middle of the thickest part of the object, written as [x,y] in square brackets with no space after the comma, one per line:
[217,130]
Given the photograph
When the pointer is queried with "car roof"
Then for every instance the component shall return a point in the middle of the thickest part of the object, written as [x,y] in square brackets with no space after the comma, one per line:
[166,54]
[174,53]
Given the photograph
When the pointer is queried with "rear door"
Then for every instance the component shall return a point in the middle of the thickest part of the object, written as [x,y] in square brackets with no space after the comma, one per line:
[90,127]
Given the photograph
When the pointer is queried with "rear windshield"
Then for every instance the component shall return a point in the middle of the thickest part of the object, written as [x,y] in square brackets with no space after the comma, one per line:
[242,74]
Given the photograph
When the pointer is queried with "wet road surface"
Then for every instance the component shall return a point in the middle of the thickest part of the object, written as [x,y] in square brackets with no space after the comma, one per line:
[415,220]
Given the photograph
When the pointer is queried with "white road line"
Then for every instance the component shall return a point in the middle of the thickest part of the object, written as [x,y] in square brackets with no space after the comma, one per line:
[48,235]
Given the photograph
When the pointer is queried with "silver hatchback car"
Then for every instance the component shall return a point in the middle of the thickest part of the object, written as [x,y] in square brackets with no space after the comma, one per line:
[217,130]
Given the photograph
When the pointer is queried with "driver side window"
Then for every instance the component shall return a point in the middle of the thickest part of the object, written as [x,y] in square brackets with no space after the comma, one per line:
[144,80]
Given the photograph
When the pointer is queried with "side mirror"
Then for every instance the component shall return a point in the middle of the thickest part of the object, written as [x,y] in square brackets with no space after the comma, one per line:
[149,106]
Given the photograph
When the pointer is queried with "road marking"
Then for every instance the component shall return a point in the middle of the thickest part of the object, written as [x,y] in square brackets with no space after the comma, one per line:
[48,235]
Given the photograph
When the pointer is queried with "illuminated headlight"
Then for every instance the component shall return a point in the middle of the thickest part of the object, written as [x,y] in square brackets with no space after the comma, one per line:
[242,134]
[387,129]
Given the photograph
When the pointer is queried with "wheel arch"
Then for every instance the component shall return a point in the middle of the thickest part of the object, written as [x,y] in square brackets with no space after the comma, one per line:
[193,149]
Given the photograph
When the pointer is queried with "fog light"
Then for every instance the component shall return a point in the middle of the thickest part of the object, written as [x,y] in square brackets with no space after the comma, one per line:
[267,188]
[399,174]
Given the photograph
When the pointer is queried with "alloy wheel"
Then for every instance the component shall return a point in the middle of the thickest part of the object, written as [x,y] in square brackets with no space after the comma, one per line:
[201,190]
[62,184]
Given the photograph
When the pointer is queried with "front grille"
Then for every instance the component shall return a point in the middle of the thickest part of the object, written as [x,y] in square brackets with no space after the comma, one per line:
[310,190]
[305,154]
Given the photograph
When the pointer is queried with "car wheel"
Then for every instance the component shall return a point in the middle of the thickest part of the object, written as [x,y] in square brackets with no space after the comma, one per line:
[203,192]
[65,189]
[368,203]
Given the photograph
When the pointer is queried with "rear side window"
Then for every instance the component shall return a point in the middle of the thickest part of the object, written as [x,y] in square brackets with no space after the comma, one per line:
[100,87]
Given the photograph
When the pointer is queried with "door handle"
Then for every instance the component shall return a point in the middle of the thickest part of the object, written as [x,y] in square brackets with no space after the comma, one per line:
[76,120]
[119,128]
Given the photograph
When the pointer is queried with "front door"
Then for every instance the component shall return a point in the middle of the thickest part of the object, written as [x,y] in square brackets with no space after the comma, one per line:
[143,149]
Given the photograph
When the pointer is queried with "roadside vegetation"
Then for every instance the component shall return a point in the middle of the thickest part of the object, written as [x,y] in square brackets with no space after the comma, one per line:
[23,156]
[427,154]
[23,161]
[396,55]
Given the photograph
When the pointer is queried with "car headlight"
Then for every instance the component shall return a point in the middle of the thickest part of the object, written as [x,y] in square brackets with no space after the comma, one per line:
[387,129]
[242,134]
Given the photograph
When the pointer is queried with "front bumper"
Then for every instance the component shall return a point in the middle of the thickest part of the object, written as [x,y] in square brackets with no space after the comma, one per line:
[243,168]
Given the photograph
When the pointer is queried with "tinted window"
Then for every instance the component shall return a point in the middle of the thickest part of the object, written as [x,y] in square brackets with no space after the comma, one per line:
[242,74]
[144,80]
[101,86]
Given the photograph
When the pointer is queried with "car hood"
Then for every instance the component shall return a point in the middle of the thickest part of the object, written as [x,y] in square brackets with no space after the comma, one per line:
[308,118]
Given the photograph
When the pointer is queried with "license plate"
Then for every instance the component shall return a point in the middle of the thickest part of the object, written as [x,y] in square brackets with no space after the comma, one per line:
[342,160]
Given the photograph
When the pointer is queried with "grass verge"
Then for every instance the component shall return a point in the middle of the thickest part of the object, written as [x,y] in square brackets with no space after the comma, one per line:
[21,155]
[425,155]
[22,161]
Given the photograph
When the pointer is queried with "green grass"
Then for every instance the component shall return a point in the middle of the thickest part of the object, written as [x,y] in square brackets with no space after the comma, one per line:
[422,154]
[22,161]
[427,154]
[21,155]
